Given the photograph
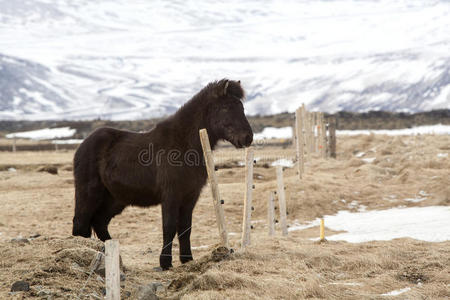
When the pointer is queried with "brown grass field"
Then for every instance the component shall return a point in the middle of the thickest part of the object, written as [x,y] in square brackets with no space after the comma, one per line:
[294,267]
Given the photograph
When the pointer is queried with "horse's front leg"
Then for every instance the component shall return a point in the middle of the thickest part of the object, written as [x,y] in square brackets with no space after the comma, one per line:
[170,210]
[184,231]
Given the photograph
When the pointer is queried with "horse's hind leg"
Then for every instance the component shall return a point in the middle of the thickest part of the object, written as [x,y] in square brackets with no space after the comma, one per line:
[81,220]
[103,216]
[83,212]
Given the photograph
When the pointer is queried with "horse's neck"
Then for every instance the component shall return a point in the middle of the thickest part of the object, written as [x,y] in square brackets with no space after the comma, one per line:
[187,126]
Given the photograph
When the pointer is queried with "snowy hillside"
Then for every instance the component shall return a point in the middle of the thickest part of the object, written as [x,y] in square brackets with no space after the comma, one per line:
[120,59]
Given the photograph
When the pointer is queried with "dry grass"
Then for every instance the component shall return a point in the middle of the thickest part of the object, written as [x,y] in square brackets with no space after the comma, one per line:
[271,268]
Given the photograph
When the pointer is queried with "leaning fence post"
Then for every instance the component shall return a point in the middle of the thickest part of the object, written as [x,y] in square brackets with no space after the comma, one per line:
[112,270]
[209,160]
[281,200]
[299,142]
[270,214]
[246,222]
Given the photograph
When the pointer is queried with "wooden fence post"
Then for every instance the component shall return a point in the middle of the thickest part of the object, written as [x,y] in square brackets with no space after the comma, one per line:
[209,160]
[112,270]
[323,135]
[316,132]
[327,135]
[322,230]
[319,134]
[246,222]
[308,134]
[294,132]
[311,131]
[305,132]
[270,214]
[299,141]
[281,200]
[332,137]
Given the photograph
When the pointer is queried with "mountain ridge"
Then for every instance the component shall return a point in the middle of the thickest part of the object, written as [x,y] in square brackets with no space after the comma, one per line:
[121,60]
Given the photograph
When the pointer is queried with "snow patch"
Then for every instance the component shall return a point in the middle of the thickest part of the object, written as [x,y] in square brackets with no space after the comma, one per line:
[69,142]
[297,226]
[362,208]
[274,133]
[397,292]
[429,129]
[382,225]
[43,134]
[369,160]
[286,133]
[422,195]
[360,154]
[283,162]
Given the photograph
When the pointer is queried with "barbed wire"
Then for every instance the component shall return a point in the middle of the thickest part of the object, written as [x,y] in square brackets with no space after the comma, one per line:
[94,266]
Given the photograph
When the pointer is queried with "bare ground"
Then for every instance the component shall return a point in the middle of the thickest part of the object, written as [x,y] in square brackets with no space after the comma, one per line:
[292,267]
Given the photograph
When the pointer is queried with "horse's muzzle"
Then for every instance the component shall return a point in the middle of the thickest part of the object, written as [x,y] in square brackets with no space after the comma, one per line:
[248,140]
[244,140]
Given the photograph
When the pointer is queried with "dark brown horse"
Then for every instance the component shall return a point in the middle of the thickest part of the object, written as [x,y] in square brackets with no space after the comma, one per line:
[114,169]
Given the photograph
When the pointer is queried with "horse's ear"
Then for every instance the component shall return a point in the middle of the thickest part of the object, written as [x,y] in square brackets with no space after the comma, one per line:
[225,87]
[239,82]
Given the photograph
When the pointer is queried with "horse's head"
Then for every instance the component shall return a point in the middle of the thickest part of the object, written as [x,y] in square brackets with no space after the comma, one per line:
[227,118]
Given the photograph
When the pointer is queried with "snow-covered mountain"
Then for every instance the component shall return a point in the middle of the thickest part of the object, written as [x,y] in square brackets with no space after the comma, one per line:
[122,59]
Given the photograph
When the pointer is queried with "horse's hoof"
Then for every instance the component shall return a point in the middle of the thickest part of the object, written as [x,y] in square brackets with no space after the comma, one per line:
[165,262]
[186,259]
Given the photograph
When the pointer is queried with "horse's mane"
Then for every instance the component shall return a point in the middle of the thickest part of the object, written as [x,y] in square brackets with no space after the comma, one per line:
[214,90]
[191,111]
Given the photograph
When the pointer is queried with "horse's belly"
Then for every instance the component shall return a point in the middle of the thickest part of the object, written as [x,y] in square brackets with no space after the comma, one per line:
[134,196]
[145,201]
